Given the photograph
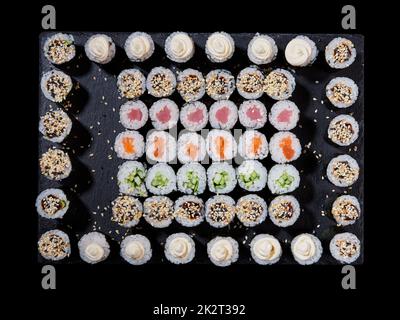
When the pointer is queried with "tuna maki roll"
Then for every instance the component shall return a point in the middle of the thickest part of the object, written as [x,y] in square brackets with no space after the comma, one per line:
[133,114]
[223,251]
[346,210]
[179,248]
[191,85]
[283,178]
[253,145]
[55,125]
[252,175]
[189,211]
[179,47]
[160,146]
[343,171]
[54,245]
[220,84]
[161,179]
[59,48]
[262,49]
[220,47]
[139,46]
[52,203]
[265,249]
[340,53]
[343,130]
[136,249]
[194,116]
[253,114]
[284,211]
[126,211]
[191,178]
[301,51]
[221,177]
[220,211]
[131,179]
[221,145]
[345,247]
[223,114]
[284,147]
[164,114]
[129,145]
[284,115]
[56,85]
[342,92]
[251,210]
[249,83]
[306,249]
[100,48]
[191,148]
[131,83]
[279,84]
[55,164]
[159,211]
[93,247]
[161,82]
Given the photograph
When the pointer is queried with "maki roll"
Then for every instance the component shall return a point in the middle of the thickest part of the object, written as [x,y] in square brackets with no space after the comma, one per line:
[139,46]
[191,85]
[306,249]
[220,47]
[100,48]
[253,145]
[284,115]
[340,53]
[179,47]
[191,147]
[52,203]
[284,147]
[129,145]
[252,114]
[252,175]
[126,211]
[284,211]
[262,49]
[179,248]
[55,125]
[279,84]
[54,245]
[342,92]
[133,114]
[59,48]
[56,85]
[223,251]
[131,83]
[343,130]
[159,211]
[164,114]
[220,84]
[136,249]
[189,211]
[220,211]
[131,179]
[221,145]
[191,178]
[345,247]
[160,146]
[251,210]
[161,82]
[223,114]
[249,83]
[55,164]
[93,247]
[161,179]
[283,178]
[346,210]
[194,116]
[343,171]
[221,177]
[265,249]
[301,51]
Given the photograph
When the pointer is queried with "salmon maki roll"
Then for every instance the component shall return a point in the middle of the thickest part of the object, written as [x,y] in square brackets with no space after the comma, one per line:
[253,145]
[191,148]
[129,145]
[160,146]
[221,145]
[284,147]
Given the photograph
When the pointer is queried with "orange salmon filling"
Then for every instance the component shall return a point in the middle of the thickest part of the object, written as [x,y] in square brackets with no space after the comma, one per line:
[192,150]
[256,145]
[287,149]
[220,144]
[158,147]
[128,144]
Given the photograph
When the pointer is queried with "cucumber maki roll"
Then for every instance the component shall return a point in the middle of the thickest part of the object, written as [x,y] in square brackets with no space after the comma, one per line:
[131,179]
[191,178]
[161,179]
[252,175]
[221,177]
[283,178]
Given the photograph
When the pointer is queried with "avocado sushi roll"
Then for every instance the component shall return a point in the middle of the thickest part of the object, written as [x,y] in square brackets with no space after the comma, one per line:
[223,251]
[56,85]
[220,211]
[191,148]
[253,145]
[279,84]
[220,84]
[345,247]
[221,177]
[191,85]
[343,171]
[93,247]
[55,164]
[283,178]
[251,210]
[159,211]
[189,211]
[265,249]
[340,53]
[161,179]
[131,83]
[253,114]
[126,211]
[306,249]
[55,126]
[262,49]
[249,83]
[301,51]
[342,92]
[100,48]
[179,47]
[191,178]
[129,145]
[59,48]
[161,82]
[346,210]
[284,211]
[139,46]
[136,249]
[131,179]
[252,175]
[343,130]
[284,147]
[54,245]
[179,248]
[52,203]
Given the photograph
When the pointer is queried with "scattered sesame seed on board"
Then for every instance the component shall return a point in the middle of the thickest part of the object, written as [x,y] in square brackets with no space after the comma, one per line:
[314,99]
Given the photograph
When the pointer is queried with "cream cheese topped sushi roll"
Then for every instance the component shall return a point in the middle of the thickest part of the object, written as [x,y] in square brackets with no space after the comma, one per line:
[59,48]
[221,145]
[284,115]
[191,178]
[253,114]
[55,125]
[279,84]
[223,251]
[346,210]
[340,53]
[220,84]
[161,179]
[131,178]
[159,211]
[54,245]
[133,114]
[164,114]
[179,248]
[252,175]
[126,211]
[160,146]
[223,114]
[345,247]
[189,211]
[342,92]
[161,82]
[55,164]
[283,178]
[220,211]
[306,249]
[191,148]
[179,47]
[139,46]
[52,203]
[220,47]
[284,147]
[93,247]
[251,210]
[131,83]
[129,145]
[284,211]
[301,51]
[56,85]
[265,249]
[221,177]
[194,116]
[136,249]
[100,48]
[191,85]
[253,145]
[343,171]
[249,83]
[343,130]
[262,49]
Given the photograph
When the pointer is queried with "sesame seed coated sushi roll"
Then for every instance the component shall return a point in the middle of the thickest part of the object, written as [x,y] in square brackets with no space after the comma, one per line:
[191,85]
[59,48]
[251,210]
[54,245]
[343,130]
[340,53]
[93,247]
[56,85]
[55,125]
[284,147]
[191,148]
[179,47]
[220,47]
[253,114]
[345,247]
[284,211]
[220,211]
[129,145]
[346,210]
[194,116]
[342,92]
[265,249]
[283,178]
[160,146]
[343,171]
[252,175]
[133,114]
[249,83]
[279,84]
[253,145]
[136,249]
[131,83]
[52,203]
[161,179]
[126,211]
[306,249]
[262,49]
[301,51]
[189,211]
[223,114]
[179,248]
[139,46]
[100,48]
[223,251]
[221,177]
[161,82]
[131,179]
[220,84]
[191,178]
[164,114]
[221,145]
[55,164]
[284,115]
[159,211]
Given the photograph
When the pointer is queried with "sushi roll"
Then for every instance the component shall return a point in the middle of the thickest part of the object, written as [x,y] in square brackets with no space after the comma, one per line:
[220,84]
[191,178]
[342,92]
[139,46]
[129,145]
[340,53]
[164,114]
[161,179]
[179,248]
[221,177]
[133,114]
[346,210]
[262,49]
[160,146]
[221,145]
[283,178]
[54,245]
[131,179]
[126,211]
[253,114]
[100,48]
[253,145]
[59,48]
[252,175]
[136,249]
[279,84]
[179,47]
[159,211]
[301,51]
[284,115]
[284,211]
[131,83]
[55,125]
[56,85]
[343,171]
[161,82]
[220,47]
[223,114]
[249,83]
[93,247]
[345,247]
[265,249]
[191,148]
[343,130]
[189,211]
[194,116]
[220,211]
[223,251]
[52,204]
[284,147]
[191,85]
[251,210]
[55,164]
[306,249]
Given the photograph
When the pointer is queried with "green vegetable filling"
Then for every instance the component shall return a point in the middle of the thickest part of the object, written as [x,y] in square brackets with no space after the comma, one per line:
[285,180]
[249,179]
[136,178]
[220,180]
[192,181]
[159,180]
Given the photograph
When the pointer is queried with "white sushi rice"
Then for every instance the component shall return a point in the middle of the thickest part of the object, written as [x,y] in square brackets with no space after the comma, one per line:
[249,83]
[301,51]
[191,85]
[64,53]
[190,118]
[139,46]
[253,114]
[160,146]
[191,148]
[100,48]
[189,211]
[52,198]
[343,130]
[131,178]
[179,248]
[191,178]
[221,177]
[220,84]
[251,210]
[50,86]
[284,147]
[54,245]
[129,145]
[161,179]
[213,144]
[279,84]
[131,83]
[220,47]
[343,171]
[133,114]
[220,211]
[340,53]
[345,247]
[284,115]
[55,126]
[265,249]
[223,251]
[346,210]
[252,175]
[251,151]
[161,82]
[158,211]
[262,49]
[179,47]
[306,249]
[93,247]
[136,249]
[164,108]
[342,92]
[223,114]
[284,211]
[283,178]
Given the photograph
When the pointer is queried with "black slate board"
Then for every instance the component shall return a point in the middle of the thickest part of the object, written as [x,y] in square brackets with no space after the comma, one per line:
[94,107]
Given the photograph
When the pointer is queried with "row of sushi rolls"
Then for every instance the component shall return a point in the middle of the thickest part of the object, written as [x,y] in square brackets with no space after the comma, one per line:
[137,180]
